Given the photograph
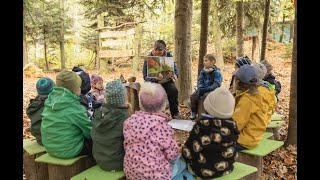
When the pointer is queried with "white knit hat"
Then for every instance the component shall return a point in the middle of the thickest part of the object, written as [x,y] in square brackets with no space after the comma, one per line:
[220,103]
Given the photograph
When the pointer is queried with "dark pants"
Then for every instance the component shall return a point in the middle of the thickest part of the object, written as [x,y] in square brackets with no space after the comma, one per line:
[172,93]
[87,147]
[194,100]
[240,147]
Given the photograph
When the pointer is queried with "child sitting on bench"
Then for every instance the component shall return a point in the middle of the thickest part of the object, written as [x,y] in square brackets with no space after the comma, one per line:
[210,149]
[107,127]
[251,108]
[44,87]
[209,79]
[150,148]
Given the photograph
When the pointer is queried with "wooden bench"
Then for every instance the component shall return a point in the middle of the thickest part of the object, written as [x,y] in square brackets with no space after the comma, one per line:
[240,171]
[254,156]
[96,173]
[274,127]
[64,169]
[267,135]
[276,117]
[33,170]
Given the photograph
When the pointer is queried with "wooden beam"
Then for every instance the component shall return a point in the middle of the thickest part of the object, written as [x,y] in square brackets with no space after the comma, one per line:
[116,53]
[114,43]
[108,34]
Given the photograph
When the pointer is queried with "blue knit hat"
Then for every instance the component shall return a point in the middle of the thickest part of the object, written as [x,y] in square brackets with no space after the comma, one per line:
[44,86]
[115,93]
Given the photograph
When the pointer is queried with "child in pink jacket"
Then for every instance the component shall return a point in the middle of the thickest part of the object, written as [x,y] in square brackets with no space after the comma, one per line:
[150,148]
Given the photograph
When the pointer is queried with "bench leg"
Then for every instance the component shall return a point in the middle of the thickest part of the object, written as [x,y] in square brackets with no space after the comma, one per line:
[270,130]
[276,134]
[32,169]
[66,172]
[251,160]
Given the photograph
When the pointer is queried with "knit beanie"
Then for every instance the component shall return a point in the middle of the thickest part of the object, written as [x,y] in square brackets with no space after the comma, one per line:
[95,78]
[260,69]
[44,86]
[69,80]
[219,103]
[248,75]
[267,65]
[152,97]
[115,93]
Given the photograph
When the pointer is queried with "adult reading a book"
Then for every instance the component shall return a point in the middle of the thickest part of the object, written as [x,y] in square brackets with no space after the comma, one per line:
[168,82]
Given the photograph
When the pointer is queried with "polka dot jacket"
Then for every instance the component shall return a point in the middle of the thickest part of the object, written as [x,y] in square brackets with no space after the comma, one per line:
[210,148]
[149,146]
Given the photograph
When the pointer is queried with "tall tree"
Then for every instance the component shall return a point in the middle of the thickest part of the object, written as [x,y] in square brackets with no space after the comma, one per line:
[292,129]
[205,4]
[63,66]
[182,34]
[25,52]
[282,27]
[265,30]
[217,35]
[239,12]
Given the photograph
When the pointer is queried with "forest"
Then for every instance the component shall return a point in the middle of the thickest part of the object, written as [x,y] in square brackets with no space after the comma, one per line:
[112,38]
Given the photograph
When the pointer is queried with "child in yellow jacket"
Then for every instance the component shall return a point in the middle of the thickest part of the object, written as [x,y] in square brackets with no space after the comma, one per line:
[251,111]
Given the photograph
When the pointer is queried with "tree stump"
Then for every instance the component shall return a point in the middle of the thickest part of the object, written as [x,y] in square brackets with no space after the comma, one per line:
[32,169]
[255,161]
[132,96]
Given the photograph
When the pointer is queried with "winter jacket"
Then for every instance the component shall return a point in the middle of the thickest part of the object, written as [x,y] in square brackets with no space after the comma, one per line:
[209,81]
[107,137]
[144,70]
[98,95]
[251,115]
[65,124]
[34,111]
[269,99]
[210,149]
[149,146]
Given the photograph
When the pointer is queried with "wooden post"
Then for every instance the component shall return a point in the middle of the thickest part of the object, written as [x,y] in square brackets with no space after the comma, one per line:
[132,96]
[251,160]
[275,131]
[32,169]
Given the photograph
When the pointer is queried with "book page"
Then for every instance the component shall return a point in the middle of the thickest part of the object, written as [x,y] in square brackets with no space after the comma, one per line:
[185,125]
[160,64]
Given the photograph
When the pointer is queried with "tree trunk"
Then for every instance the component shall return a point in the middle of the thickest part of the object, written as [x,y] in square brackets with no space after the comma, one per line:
[62,35]
[264,30]
[239,12]
[45,47]
[292,129]
[254,47]
[205,5]
[291,31]
[183,20]
[25,51]
[137,47]
[217,36]
[282,28]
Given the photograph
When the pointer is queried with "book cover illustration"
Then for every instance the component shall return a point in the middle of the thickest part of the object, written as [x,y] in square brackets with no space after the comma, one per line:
[159,64]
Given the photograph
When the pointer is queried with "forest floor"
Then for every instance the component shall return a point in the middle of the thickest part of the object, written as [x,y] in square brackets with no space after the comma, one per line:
[281,164]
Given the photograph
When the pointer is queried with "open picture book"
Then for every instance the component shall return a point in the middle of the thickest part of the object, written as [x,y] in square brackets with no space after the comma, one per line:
[160,64]
[185,125]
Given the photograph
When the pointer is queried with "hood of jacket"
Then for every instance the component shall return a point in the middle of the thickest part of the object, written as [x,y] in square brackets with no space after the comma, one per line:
[60,98]
[142,122]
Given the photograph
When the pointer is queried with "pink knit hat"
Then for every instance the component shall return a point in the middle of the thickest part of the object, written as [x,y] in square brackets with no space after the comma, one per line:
[152,97]
[95,78]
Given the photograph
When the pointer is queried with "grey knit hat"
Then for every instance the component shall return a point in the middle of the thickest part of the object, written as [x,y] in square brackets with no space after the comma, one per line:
[248,75]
